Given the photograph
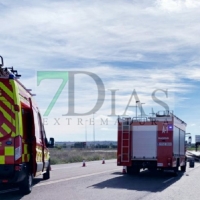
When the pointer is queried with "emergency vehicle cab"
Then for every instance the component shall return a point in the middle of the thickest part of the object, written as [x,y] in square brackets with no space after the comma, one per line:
[23,142]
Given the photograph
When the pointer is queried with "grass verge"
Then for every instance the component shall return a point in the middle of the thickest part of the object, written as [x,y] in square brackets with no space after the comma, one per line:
[62,156]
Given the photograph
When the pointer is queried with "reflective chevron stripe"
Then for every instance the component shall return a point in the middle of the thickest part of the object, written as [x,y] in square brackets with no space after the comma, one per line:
[7,122]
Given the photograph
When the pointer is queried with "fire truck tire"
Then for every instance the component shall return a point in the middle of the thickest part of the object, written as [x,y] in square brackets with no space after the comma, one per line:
[133,170]
[136,170]
[152,170]
[183,168]
[25,186]
[175,173]
[129,170]
[46,175]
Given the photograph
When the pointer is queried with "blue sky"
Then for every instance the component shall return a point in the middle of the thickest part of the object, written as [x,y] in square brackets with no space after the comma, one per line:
[141,45]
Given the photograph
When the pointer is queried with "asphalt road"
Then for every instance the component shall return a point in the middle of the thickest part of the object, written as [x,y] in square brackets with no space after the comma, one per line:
[98,182]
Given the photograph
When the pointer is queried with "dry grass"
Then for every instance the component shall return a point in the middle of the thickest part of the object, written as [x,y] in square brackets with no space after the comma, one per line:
[61,156]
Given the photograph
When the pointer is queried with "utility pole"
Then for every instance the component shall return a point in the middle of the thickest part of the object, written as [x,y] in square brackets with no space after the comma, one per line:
[142,110]
[136,108]
[94,130]
[86,132]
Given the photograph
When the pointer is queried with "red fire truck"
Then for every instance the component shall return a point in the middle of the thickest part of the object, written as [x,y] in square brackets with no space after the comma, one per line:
[156,142]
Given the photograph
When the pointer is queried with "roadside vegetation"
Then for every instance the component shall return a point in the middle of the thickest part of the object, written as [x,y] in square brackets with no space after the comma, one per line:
[191,149]
[65,155]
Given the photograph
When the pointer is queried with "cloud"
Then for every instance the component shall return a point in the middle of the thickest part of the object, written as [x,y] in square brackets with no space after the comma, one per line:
[143,81]
[192,124]
[178,5]
[100,31]
[141,45]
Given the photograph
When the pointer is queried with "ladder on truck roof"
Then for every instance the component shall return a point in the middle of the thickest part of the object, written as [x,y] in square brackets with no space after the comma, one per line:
[125,141]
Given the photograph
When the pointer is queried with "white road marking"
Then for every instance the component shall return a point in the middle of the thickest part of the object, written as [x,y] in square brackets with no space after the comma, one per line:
[168,180]
[73,178]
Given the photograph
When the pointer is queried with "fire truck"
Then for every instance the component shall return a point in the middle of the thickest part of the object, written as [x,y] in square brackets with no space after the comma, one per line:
[23,142]
[153,143]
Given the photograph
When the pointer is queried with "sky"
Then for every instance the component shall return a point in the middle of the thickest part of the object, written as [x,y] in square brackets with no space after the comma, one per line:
[114,49]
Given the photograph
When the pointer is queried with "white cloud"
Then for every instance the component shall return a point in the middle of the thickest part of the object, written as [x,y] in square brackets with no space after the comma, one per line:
[141,45]
[178,5]
[123,31]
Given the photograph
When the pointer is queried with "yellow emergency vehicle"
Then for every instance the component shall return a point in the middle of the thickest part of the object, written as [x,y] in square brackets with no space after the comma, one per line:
[23,142]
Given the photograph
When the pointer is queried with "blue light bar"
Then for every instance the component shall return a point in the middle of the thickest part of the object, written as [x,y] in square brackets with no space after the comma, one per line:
[11,76]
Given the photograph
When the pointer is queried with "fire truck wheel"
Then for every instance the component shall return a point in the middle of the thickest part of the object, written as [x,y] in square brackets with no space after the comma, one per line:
[46,175]
[25,186]
[183,168]
[133,170]
[152,170]
[129,170]
[175,173]
[136,170]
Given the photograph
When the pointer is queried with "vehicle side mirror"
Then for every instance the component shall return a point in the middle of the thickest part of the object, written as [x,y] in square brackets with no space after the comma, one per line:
[46,142]
[51,142]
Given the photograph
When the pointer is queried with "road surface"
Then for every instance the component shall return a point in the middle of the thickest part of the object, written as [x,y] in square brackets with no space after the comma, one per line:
[102,182]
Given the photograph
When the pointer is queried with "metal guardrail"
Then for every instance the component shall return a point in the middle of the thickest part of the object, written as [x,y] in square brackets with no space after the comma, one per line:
[193,156]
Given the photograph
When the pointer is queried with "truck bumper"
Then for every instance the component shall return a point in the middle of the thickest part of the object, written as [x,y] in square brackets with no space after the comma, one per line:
[12,173]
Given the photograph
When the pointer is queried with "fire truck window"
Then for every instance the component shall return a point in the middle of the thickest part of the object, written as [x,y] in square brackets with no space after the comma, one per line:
[37,125]
[42,126]
[27,122]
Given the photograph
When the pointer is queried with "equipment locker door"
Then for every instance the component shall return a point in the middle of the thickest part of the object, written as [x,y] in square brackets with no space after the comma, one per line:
[144,140]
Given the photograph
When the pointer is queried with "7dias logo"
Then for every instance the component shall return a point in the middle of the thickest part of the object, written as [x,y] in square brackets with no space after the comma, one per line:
[68,77]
